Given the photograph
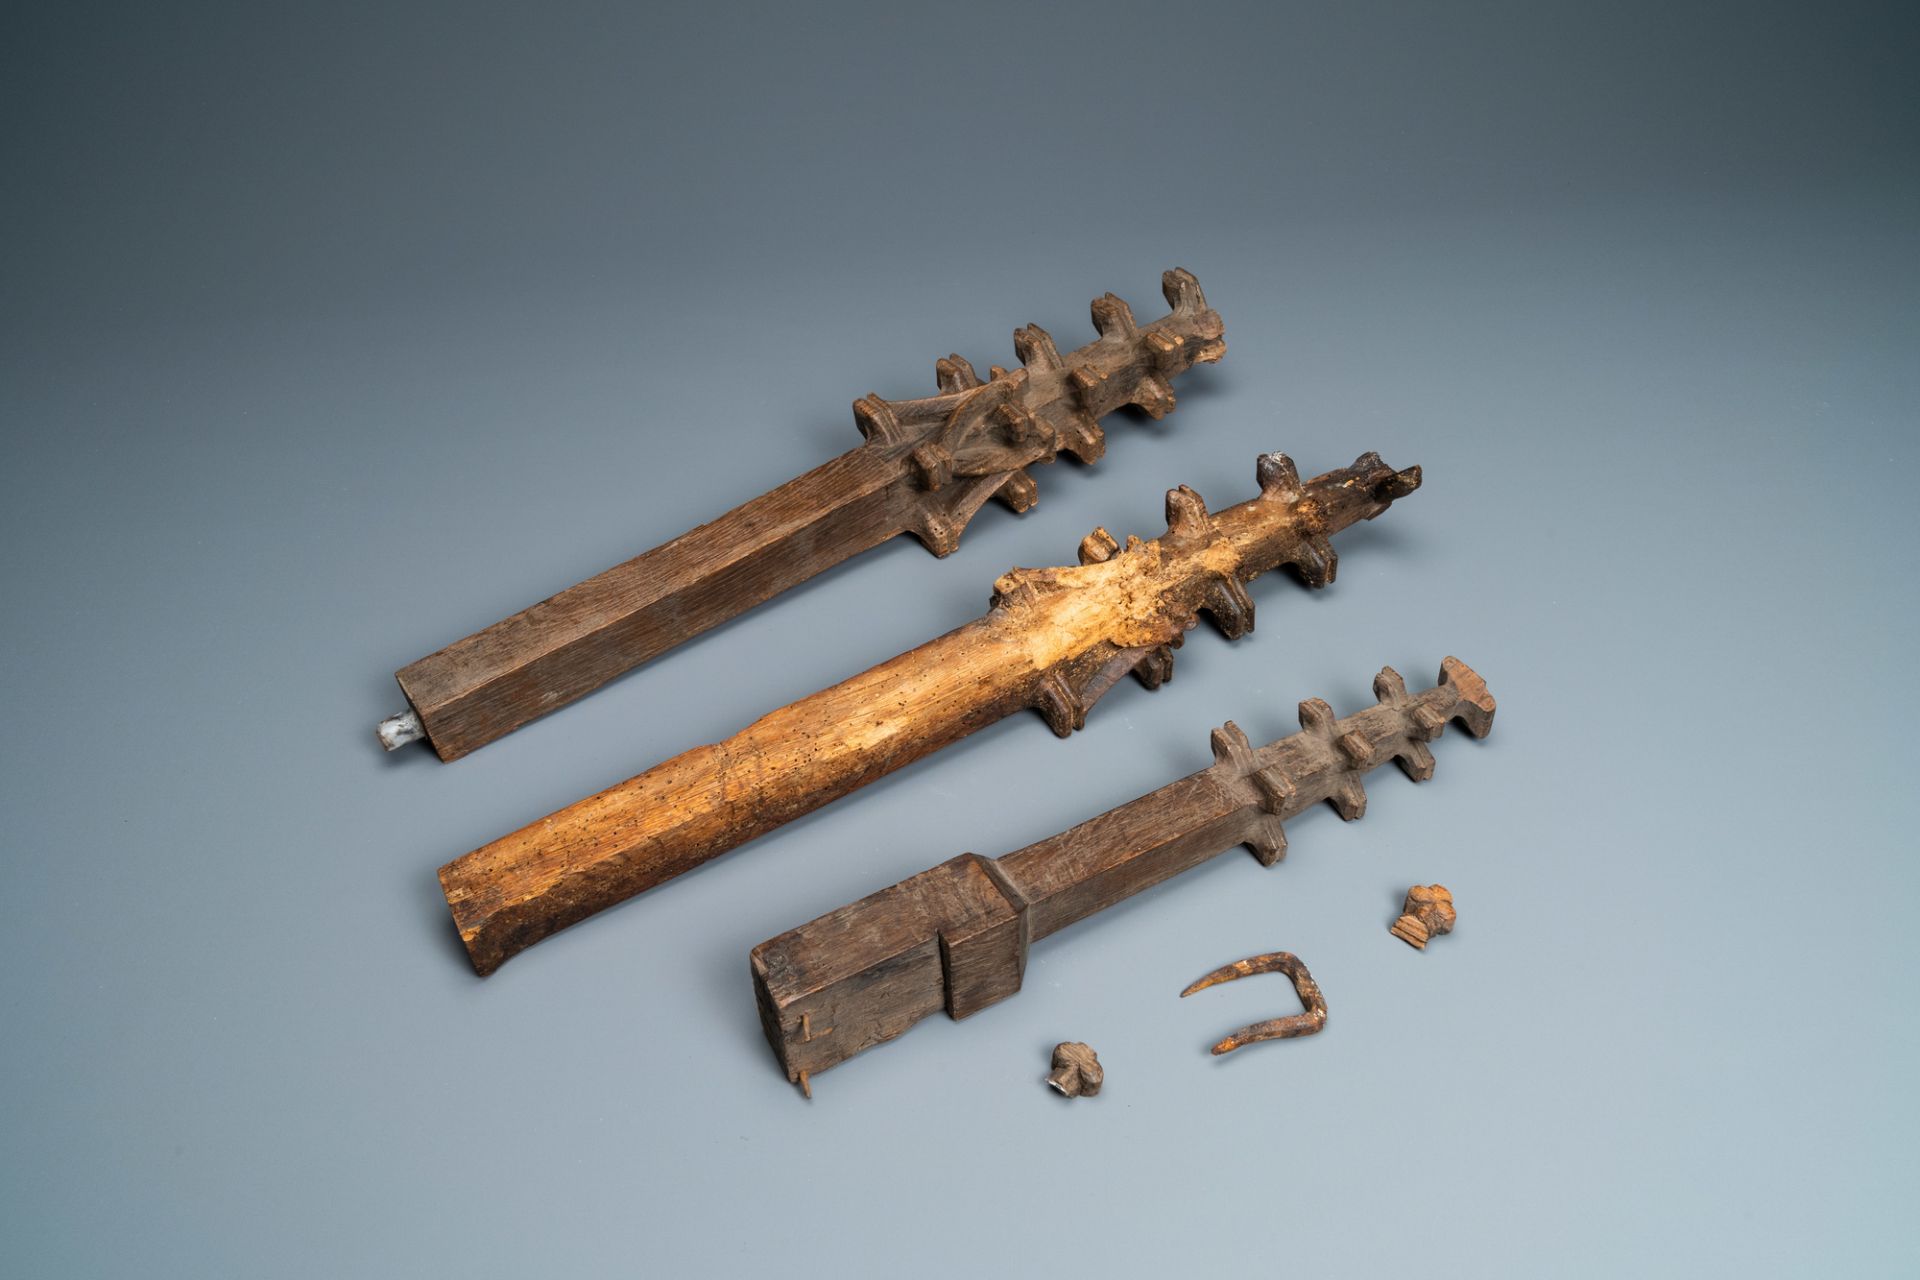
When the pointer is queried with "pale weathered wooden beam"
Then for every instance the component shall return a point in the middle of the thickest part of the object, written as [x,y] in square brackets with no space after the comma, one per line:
[955,938]
[1055,640]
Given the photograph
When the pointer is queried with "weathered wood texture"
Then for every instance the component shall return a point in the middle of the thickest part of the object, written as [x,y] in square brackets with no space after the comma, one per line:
[1055,640]
[956,937]
[926,467]
[1076,1070]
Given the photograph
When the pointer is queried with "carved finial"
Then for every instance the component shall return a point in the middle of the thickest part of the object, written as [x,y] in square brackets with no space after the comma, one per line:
[1429,720]
[1186,514]
[1399,485]
[1317,718]
[1236,758]
[932,466]
[1020,492]
[1154,396]
[1229,605]
[1018,425]
[1155,667]
[1076,1070]
[897,956]
[1279,478]
[1231,748]
[876,420]
[1098,547]
[1315,562]
[1182,290]
[1476,706]
[1082,437]
[1357,748]
[1349,798]
[1300,1024]
[1016,419]
[954,374]
[1415,760]
[1060,705]
[1389,688]
[1035,348]
[939,533]
[1112,317]
[1268,840]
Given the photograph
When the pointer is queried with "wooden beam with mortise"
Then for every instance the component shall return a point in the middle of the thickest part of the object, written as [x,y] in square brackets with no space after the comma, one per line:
[1055,640]
[955,938]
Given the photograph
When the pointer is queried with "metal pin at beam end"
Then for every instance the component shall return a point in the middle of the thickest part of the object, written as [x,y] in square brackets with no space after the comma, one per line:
[397,731]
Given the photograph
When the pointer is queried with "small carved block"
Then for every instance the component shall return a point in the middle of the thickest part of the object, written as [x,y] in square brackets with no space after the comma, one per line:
[1076,1070]
[1055,640]
[1426,914]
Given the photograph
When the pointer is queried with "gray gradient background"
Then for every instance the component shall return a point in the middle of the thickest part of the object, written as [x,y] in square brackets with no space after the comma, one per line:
[332,334]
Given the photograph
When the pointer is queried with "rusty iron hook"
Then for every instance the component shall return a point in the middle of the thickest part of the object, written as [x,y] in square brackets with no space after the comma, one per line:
[1299,1024]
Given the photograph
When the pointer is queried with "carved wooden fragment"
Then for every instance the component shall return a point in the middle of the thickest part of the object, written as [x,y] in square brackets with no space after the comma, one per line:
[1054,640]
[1426,914]
[1076,1070]
[927,465]
[956,937]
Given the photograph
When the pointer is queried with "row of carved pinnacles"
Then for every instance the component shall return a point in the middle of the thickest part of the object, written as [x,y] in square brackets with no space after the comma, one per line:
[1223,597]
[1278,791]
[975,428]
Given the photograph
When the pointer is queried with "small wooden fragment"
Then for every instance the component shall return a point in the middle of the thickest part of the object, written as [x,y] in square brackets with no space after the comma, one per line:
[1076,1070]
[1310,1021]
[1055,640]
[1426,914]
[927,466]
[956,937]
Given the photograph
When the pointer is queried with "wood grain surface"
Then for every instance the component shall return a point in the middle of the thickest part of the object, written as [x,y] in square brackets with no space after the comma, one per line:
[1054,640]
[956,937]
[927,466]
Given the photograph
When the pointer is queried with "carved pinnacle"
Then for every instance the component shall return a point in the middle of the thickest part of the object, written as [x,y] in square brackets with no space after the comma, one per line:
[1310,1021]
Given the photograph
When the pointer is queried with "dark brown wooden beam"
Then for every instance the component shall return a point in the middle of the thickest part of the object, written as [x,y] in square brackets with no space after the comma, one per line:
[927,466]
[955,938]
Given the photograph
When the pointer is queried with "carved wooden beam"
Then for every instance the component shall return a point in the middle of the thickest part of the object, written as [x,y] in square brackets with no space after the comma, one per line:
[926,467]
[956,937]
[1054,640]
